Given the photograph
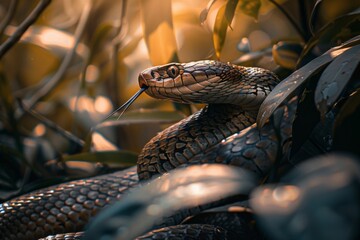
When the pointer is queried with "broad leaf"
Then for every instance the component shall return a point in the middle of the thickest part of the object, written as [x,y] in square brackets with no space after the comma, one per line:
[339,30]
[320,194]
[291,84]
[161,197]
[158,31]
[335,78]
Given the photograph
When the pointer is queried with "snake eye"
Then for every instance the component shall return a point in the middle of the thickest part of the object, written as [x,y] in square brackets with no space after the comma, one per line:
[173,71]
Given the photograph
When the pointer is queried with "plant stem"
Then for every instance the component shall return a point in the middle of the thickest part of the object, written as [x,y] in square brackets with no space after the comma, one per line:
[8,16]
[115,49]
[55,80]
[53,126]
[29,20]
[291,20]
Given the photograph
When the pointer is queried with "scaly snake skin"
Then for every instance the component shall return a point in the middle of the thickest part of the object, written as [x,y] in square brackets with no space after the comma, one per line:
[220,132]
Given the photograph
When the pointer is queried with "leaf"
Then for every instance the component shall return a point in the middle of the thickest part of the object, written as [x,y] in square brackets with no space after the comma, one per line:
[291,84]
[143,116]
[119,158]
[158,31]
[337,31]
[318,194]
[163,196]
[335,78]
[223,20]
[286,54]
[220,29]
[250,7]
[346,129]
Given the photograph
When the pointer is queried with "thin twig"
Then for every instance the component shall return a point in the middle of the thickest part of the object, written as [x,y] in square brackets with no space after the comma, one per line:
[29,20]
[9,15]
[115,49]
[55,80]
[51,125]
[291,20]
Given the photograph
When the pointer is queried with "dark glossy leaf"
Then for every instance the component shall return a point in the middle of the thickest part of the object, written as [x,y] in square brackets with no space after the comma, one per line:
[291,84]
[314,16]
[335,78]
[320,194]
[163,196]
[338,31]
[347,127]
[119,158]
[286,54]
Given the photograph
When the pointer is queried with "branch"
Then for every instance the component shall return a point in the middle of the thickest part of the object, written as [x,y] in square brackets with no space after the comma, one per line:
[291,20]
[29,20]
[8,17]
[55,80]
[51,125]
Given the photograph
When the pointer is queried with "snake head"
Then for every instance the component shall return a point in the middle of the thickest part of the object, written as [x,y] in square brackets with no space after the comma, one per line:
[208,82]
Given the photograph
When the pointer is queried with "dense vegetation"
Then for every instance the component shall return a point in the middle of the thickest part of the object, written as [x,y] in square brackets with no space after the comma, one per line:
[65,65]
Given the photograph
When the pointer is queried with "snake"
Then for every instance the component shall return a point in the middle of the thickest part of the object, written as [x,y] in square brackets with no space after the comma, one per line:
[224,131]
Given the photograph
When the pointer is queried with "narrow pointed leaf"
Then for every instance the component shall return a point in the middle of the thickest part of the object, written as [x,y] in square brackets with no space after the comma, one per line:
[121,157]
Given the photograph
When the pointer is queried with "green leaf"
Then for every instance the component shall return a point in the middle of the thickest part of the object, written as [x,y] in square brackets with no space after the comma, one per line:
[121,158]
[250,7]
[163,196]
[335,78]
[287,87]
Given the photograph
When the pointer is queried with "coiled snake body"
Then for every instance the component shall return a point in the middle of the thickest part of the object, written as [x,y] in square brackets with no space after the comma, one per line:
[222,132]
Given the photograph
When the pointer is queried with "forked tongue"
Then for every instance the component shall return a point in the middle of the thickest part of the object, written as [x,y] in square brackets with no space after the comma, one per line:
[127,104]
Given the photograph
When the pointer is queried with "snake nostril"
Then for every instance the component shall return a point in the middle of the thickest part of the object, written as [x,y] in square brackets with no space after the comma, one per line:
[142,81]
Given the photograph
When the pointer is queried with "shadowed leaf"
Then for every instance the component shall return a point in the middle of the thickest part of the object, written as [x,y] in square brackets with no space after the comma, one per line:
[161,197]
[337,31]
[346,126]
[286,54]
[250,7]
[335,78]
[291,84]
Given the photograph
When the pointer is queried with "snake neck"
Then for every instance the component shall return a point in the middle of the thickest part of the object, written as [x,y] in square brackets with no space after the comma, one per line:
[181,142]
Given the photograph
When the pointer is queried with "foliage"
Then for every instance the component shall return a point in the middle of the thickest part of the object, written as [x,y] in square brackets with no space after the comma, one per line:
[65,66]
